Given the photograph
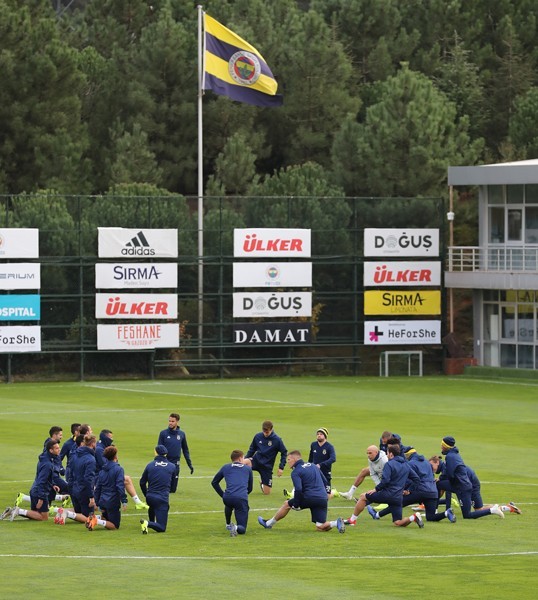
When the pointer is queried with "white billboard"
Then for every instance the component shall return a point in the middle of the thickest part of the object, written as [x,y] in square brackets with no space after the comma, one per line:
[20,339]
[267,304]
[20,276]
[402,274]
[272,242]
[401,242]
[138,336]
[396,333]
[19,243]
[135,275]
[117,242]
[282,274]
[136,306]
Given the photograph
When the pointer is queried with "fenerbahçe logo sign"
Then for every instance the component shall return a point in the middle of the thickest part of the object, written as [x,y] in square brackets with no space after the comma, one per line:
[244,67]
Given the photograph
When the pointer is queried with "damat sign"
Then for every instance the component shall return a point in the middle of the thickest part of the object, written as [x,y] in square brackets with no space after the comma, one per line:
[266,304]
[272,242]
[260,334]
[401,242]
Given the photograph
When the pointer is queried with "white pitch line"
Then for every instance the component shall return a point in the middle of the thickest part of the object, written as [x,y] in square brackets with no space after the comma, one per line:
[250,557]
[183,395]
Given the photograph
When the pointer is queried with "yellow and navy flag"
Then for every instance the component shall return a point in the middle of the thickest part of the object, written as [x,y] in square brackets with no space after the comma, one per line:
[234,68]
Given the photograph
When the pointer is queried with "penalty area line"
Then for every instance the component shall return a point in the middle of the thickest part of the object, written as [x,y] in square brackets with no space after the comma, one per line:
[249,557]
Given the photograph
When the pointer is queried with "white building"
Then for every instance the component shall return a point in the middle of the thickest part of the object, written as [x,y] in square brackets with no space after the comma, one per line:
[502,270]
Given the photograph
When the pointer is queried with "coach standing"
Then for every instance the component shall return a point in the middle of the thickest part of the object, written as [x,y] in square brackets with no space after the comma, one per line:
[175,442]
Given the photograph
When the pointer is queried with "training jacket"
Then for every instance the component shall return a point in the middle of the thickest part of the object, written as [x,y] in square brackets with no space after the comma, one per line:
[110,486]
[308,482]
[43,482]
[456,471]
[239,480]
[104,442]
[396,472]
[83,472]
[324,456]
[264,450]
[157,477]
[426,485]
[175,441]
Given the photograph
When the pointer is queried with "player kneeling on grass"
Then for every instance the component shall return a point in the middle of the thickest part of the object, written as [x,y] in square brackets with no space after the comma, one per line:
[156,483]
[310,492]
[41,489]
[389,490]
[109,492]
[239,482]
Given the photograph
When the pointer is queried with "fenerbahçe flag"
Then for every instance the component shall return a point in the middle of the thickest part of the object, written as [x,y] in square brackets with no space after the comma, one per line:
[236,69]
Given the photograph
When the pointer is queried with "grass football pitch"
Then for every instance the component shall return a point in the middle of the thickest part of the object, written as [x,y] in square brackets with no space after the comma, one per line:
[494,423]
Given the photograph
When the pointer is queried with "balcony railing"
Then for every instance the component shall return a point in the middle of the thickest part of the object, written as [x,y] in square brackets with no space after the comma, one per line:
[501,259]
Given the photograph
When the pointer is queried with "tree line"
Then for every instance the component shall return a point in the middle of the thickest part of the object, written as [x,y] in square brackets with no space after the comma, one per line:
[379,97]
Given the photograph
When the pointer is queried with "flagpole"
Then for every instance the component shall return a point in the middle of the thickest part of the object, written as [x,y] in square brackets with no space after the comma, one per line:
[200,187]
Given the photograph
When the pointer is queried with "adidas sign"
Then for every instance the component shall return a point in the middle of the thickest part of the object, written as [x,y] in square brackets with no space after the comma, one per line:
[137,243]
[138,246]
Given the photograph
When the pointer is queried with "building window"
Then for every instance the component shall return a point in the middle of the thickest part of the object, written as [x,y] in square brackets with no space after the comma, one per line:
[531,225]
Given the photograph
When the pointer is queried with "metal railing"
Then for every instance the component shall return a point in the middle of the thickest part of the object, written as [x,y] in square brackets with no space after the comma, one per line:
[493,258]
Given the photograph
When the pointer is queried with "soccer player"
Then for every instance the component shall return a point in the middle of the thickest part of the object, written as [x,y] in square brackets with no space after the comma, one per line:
[41,488]
[323,455]
[175,442]
[422,492]
[156,484]
[390,490]
[262,454]
[439,468]
[83,472]
[376,461]
[460,484]
[239,481]
[109,492]
[310,492]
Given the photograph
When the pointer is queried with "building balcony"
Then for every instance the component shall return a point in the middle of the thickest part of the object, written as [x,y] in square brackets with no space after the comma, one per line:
[492,267]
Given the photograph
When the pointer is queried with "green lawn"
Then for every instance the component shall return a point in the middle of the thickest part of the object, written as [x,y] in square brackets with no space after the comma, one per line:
[494,423]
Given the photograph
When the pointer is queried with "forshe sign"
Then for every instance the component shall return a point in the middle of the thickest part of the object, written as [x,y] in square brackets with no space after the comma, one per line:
[385,333]
[401,242]
[272,242]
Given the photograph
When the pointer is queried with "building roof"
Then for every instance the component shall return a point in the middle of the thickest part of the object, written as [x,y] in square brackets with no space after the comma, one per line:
[509,173]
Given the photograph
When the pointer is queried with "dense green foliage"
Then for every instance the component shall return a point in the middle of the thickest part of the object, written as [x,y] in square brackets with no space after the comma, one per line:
[196,558]
[383,96]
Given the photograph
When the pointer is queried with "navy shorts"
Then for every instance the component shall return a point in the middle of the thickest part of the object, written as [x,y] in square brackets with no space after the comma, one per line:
[44,508]
[111,514]
[395,504]
[81,505]
[265,473]
[317,506]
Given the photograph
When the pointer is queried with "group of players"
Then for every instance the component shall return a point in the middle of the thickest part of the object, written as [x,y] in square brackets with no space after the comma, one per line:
[94,479]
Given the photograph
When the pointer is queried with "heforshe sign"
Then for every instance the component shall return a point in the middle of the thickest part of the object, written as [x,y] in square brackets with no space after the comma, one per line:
[401,242]
[386,333]
[272,242]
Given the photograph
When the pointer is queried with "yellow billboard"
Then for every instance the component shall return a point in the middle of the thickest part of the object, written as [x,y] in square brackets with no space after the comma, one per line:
[402,302]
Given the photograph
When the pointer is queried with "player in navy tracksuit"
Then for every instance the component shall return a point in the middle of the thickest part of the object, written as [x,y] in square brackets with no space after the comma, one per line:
[310,492]
[67,447]
[396,473]
[239,480]
[156,483]
[422,492]
[322,453]
[458,478]
[56,433]
[262,454]
[41,488]
[109,491]
[83,476]
[175,441]
[105,440]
